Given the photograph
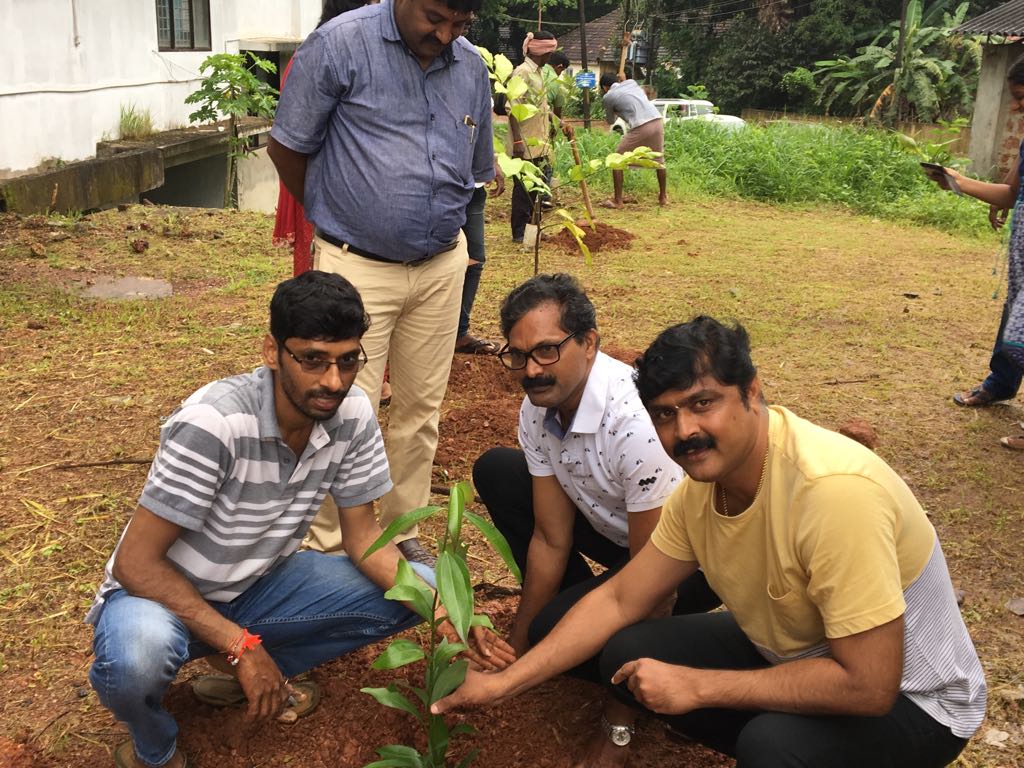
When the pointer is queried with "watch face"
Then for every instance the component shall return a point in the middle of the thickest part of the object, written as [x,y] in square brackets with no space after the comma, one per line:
[619,735]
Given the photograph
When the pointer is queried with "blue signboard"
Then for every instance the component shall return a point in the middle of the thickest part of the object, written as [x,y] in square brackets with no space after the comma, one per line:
[586,80]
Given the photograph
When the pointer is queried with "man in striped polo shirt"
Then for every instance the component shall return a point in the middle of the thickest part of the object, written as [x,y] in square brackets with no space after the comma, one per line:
[209,564]
[842,644]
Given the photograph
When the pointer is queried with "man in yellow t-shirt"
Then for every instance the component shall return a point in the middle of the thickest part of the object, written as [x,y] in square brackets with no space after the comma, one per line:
[842,644]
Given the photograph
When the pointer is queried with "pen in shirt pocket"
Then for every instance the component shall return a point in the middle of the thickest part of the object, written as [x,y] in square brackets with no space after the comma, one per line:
[471,124]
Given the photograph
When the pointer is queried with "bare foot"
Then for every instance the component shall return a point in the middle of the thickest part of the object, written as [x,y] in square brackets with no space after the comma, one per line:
[663,200]
[611,204]
[385,393]
[602,753]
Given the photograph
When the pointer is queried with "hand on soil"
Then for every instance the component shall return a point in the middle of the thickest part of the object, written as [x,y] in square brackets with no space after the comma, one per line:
[265,687]
[478,689]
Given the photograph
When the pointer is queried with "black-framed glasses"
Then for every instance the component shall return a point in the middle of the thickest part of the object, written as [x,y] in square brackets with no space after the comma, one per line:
[350,363]
[542,354]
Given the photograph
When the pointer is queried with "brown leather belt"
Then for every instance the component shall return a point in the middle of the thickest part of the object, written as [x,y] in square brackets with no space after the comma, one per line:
[374,257]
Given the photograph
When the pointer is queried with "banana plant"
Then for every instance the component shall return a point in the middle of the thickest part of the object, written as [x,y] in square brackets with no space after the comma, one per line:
[453,600]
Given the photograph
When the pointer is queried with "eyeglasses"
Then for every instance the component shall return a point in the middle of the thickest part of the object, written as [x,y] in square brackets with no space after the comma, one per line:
[349,363]
[542,354]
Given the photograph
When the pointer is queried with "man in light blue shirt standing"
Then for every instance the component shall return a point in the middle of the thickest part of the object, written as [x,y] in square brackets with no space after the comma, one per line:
[646,128]
[383,133]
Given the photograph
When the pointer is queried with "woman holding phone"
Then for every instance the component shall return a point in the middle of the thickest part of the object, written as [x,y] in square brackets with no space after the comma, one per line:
[1007,363]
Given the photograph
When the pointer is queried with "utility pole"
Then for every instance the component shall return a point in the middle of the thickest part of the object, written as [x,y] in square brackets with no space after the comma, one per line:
[583,62]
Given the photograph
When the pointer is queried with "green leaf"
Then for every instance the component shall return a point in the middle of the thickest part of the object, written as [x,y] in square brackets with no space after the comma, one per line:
[522,112]
[460,729]
[397,756]
[420,693]
[468,758]
[455,591]
[398,525]
[502,67]
[486,55]
[457,498]
[398,654]
[481,620]
[410,588]
[450,679]
[390,697]
[437,739]
[496,540]
[445,652]
[515,88]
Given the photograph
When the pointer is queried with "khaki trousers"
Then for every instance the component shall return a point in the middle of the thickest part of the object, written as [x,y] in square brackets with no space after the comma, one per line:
[414,315]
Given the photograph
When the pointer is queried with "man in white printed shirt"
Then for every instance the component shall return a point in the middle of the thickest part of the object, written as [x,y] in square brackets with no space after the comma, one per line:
[589,481]
[208,562]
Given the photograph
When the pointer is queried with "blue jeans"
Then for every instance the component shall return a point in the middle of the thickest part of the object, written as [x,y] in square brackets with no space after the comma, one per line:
[1005,377]
[308,610]
[474,231]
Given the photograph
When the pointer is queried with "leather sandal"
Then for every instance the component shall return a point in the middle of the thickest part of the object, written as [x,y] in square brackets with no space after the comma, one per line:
[979,397]
[124,756]
[219,690]
[1013,442]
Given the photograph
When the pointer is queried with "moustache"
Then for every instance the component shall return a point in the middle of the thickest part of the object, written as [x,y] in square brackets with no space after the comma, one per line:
[700,443]
[537,381]
[328,394]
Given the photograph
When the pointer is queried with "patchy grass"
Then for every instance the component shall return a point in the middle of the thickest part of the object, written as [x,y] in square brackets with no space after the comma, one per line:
[850,317]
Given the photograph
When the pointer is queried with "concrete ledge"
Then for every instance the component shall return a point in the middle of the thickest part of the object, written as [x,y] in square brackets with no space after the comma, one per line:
[86,185]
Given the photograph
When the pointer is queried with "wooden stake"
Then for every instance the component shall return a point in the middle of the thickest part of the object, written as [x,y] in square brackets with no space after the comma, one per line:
[571,133]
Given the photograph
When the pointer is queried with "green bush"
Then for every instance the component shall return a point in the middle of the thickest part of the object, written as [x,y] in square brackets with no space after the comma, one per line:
[865,170]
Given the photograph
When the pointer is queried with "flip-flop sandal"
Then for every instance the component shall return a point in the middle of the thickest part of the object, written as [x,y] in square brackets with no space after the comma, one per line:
[219,690]
[1013,442]
[477,346]
[979,397]
[124,756]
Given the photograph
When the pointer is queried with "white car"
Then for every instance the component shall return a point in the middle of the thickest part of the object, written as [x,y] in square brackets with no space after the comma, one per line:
[688,109]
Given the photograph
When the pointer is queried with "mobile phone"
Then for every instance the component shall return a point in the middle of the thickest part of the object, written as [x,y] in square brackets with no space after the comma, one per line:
[950,181]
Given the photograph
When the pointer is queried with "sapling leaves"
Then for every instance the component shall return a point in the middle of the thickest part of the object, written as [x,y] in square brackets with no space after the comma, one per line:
[455,592]
[458,496]
[398,756]
[403,522]
[438,738]
[450,679]
[398,654]
[391,697]
[409,588]
[446,651]
[497,542]
[481,620]
[522,112]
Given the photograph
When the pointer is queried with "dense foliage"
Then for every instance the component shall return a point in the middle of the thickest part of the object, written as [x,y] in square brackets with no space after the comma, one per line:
[867,170]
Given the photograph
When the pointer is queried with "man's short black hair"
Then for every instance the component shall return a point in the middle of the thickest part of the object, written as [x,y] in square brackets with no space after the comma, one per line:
[608,80]
[465,6]
[685,352]
[332,8]
[543,34]
[317,305]
[558,59]
[576,315]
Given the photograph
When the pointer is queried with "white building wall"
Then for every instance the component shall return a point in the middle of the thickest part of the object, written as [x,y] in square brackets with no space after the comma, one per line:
[58,98]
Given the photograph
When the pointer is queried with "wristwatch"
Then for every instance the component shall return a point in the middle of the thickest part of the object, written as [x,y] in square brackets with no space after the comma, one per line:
[620,735]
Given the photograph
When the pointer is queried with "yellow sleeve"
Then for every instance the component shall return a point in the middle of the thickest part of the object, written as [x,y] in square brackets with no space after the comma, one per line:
[670,535]
[847,543]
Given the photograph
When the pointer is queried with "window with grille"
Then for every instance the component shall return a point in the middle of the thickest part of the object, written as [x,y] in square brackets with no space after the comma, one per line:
[183,25]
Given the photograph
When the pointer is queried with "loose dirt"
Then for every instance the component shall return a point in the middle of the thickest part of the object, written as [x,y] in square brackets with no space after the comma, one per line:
[602,237]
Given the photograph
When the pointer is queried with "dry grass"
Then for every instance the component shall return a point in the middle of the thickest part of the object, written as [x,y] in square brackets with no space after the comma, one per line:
[822,292]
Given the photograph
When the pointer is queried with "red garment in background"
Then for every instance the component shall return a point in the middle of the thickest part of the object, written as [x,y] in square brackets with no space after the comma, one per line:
[290,225]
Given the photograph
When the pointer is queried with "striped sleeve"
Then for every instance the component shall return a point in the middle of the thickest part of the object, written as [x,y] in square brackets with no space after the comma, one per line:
[363,474]
[192,462]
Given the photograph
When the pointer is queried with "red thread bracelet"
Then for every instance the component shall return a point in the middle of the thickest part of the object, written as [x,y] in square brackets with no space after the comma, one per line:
[245,642]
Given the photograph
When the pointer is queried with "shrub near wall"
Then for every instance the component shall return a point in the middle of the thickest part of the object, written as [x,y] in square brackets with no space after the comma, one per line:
[863,169]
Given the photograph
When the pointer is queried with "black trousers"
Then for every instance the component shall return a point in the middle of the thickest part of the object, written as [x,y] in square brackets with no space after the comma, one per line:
[905,738]
[503,481]
[523,203]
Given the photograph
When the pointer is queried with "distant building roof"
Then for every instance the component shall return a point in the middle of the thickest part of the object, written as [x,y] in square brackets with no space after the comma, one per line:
[604,36]
[1006,19]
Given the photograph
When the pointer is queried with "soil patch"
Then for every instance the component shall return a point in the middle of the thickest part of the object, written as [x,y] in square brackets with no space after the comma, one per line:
[602,237]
